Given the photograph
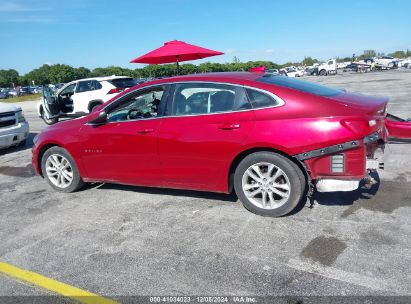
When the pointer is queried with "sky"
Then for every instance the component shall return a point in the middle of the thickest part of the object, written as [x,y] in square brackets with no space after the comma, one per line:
[99,33]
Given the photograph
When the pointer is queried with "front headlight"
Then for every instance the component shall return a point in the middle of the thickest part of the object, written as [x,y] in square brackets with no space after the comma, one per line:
[20,116]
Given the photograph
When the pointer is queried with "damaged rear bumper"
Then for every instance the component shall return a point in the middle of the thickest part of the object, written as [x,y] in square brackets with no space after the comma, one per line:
[342,167]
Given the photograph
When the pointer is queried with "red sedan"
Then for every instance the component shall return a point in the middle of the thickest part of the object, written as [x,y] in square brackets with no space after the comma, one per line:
[268,138]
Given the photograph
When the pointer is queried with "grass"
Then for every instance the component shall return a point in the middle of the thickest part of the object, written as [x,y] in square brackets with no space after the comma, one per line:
[29,97]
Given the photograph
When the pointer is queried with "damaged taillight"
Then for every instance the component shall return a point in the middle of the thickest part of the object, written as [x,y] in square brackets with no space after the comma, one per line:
[362,127]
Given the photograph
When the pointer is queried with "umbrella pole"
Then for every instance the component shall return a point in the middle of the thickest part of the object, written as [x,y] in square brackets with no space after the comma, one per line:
[178,66]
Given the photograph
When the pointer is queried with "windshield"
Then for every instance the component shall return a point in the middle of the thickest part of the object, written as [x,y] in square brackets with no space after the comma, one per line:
[123,82]
[300,85]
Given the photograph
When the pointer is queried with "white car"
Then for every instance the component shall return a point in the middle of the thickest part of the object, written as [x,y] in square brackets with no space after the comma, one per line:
[14,129]
[80,97]
[291,72]
[387,61]
[272,71]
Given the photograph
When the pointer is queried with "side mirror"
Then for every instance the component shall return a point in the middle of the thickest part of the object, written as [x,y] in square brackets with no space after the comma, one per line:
[101,119]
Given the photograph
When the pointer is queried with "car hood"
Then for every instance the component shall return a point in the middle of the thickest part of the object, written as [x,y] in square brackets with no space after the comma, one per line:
[368,104]
[5,107]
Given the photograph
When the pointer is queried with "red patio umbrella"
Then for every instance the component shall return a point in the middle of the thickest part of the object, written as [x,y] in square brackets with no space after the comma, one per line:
[175,51]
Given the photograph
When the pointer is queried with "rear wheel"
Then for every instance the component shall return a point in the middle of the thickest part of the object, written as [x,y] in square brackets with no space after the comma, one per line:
[60,170]
[323,72]
[269,184]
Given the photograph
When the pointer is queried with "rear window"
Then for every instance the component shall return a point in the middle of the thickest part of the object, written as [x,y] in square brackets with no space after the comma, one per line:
[260,100]
[300,85]
[123,82]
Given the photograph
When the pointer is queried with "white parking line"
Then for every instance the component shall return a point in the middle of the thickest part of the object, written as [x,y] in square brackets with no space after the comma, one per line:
[348,277]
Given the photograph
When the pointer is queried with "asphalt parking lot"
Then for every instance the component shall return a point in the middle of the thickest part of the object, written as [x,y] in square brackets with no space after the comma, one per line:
[116,240]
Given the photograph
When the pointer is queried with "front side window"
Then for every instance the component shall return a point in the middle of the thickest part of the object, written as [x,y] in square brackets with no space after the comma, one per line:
[205,98]
[141,105]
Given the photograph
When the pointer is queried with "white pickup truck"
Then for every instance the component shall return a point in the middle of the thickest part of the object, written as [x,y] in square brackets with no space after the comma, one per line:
[327,68]
[14,129]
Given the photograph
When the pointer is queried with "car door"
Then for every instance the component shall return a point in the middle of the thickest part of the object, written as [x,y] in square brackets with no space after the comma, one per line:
[399,130]
[206,125]
[124,149]
[50,106]
[83,95]
[55,104]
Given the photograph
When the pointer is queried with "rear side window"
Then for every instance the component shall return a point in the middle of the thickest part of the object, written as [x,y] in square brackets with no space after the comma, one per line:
[300,85]
[260,100]
[97,85]
[205,98]
[88,85]
[123,82]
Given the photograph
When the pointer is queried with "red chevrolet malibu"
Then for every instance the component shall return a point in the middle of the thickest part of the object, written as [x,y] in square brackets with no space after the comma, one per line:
[268,138]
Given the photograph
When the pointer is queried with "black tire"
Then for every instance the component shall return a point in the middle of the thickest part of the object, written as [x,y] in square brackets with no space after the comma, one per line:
[323,72]
[22,143]
[76,182]
[50,121]
[293,172]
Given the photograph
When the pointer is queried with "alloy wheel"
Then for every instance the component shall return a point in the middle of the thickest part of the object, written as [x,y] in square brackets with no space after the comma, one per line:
[59,171]
[266,185]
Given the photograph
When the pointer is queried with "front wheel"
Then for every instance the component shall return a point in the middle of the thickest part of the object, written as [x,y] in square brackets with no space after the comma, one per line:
[49,121]
[269,184]
[60,170]
[323,72]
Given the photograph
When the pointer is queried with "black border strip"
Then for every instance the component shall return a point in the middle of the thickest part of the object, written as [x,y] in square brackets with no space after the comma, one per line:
[328,150]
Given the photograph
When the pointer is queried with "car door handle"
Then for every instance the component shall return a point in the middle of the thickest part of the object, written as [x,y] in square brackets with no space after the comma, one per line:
[229,126]
[145,131]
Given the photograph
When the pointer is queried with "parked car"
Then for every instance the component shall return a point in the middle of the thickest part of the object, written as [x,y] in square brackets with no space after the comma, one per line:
[268,138]
[14,129]
[80,97]
[291,72]
[24,91]
[34,90]
[12,93]
[369,60]
[311,71]
[351,67]
[386,61]
[58,86]
[4,93]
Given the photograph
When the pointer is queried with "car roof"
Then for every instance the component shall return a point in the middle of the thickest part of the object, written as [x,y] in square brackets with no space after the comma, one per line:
[234,77]
[102,78]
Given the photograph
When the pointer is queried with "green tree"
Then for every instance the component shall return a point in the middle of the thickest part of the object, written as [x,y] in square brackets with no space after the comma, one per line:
[308,61]
[8,78]
[399,54]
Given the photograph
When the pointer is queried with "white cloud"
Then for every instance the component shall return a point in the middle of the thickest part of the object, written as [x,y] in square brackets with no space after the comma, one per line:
[269,51]
[229,51]
[29,20]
